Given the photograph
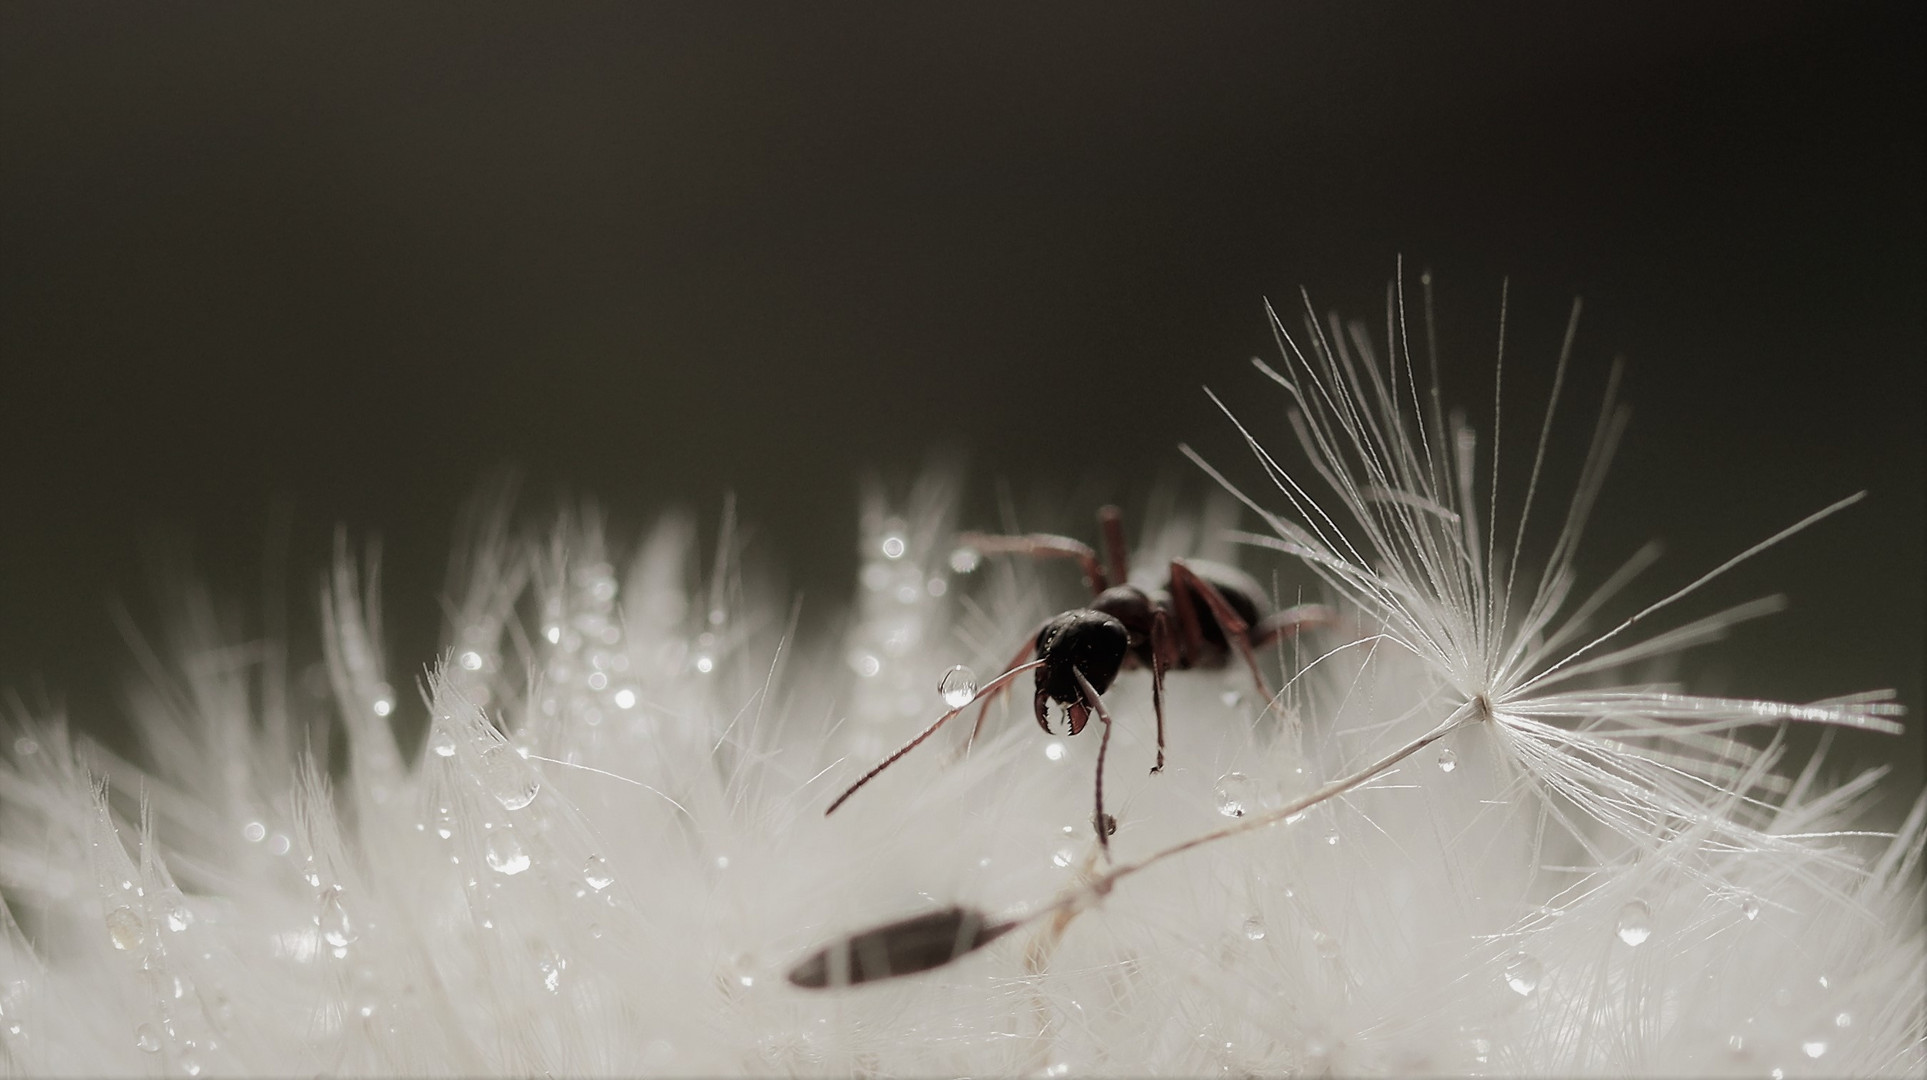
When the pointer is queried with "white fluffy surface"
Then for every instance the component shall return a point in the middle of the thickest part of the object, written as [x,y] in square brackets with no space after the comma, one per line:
[1601,883]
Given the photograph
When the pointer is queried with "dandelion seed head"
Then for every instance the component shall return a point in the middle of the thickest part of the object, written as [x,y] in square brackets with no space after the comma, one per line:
[557,879]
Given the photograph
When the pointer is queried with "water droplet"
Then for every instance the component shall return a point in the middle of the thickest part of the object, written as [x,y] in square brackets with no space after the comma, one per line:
[595,930]
[1843,1020]
[1233,789]
[1325,944]
[1063,857]
[865,664]
[958,687]
[1522,974]
[1635,923]
[510,780]
[1254,929]
[125,928]
[1062,1068]
[1448,760]
[595,873]
[190,1065]
[505,854]
[705,663]
[254,832]
[625,699]
[1331,838]
[441,742]
[25,746]
[1231,698]
[893,547]
[1778,1074]
[336,928]
[1054,750]
[1814,1048]
[147,1039]
[552,967]
[471,661]
[1750,909]
[964,560]
[175,915]
[383,706]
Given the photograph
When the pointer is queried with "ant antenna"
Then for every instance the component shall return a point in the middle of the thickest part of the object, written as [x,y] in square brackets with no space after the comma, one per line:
[992,686]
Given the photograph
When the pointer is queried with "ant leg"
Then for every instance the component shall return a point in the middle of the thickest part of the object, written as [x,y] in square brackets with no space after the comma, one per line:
[1117,556]
[1236,631]
[1162,651]
[987,695]
[1102,823]
[1041,545]
[995,684]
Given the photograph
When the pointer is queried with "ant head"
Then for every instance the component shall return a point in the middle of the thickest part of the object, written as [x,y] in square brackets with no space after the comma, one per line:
[1083,640]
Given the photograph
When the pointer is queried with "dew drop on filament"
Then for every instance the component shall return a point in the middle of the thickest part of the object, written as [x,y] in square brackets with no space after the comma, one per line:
[958,687]
[595,873]
[1232,791]
[508,779]
[147,1039]
[964,560]
[505,854]
[551,966]
[1522,974]
[1635,923]
[175,915]
[1254,929]
[125,928]
[336,928]
[1448,760]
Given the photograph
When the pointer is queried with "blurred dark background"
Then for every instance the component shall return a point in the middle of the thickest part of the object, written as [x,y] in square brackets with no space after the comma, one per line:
[269,268]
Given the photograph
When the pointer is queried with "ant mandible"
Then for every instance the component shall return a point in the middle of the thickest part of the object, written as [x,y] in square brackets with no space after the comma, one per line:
[1202,614]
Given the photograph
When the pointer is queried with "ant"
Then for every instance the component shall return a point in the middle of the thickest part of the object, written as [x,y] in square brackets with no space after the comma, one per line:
[1202,614]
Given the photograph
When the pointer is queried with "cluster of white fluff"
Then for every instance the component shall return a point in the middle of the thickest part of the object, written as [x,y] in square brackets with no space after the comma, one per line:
[611,846]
